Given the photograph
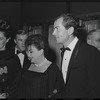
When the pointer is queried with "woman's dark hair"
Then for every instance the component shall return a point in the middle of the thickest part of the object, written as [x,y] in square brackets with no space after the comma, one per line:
[5,32]
[39,41]
[5,27]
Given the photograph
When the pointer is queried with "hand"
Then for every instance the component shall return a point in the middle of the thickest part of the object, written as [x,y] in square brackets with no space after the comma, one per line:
[53,93]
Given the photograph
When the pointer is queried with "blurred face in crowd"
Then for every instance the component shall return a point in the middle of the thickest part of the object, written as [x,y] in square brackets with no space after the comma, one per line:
[94,40]
[20,41]
[34,55]
[3,41]
[61,34]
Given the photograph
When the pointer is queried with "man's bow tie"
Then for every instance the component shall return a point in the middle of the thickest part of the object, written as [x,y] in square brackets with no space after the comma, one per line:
[18,52]
[62,52]
[63,49]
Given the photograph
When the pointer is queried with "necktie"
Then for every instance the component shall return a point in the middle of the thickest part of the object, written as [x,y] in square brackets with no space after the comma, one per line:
[18,52]
[62,53]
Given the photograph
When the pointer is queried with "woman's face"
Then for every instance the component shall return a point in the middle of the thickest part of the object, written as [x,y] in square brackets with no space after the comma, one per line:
[34,54]
[3,41]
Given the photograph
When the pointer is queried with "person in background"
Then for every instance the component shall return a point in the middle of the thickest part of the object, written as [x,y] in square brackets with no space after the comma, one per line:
[42,79]
[93,38]
[19,49]
[9,64]
[80,62]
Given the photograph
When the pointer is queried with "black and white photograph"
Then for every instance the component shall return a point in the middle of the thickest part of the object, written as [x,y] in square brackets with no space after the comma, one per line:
[49,49]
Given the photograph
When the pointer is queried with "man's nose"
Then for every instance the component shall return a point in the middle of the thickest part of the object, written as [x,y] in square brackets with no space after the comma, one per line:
[23,42]
[54,33]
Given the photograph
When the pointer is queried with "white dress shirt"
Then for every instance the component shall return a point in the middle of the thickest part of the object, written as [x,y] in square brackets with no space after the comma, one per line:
[66,58]
[21,57]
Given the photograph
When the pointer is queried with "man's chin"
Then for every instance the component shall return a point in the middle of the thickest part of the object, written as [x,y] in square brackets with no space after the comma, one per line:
[58,40]
[23,49]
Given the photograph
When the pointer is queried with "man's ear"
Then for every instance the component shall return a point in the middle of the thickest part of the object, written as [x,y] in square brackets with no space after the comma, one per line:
[41,51]
[71,30]
[88,40]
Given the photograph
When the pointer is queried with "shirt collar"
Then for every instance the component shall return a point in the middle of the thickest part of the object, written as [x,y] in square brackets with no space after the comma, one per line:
[73,43]
[16,50]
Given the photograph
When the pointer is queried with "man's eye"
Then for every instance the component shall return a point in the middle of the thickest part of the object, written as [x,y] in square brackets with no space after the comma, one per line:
[31,52]
[57,29]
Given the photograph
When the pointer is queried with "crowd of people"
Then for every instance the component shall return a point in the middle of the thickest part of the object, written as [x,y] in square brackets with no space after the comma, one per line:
[26,72]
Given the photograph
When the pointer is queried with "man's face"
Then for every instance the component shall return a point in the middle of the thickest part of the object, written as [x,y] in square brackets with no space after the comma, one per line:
[94,40]
[3,41]
[20,41]
[60,33]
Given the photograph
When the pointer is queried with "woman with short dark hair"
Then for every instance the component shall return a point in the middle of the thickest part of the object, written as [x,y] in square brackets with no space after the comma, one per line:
[43,78]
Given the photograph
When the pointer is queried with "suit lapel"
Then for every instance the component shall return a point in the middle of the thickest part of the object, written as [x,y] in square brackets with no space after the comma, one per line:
[13,50]
[72,59]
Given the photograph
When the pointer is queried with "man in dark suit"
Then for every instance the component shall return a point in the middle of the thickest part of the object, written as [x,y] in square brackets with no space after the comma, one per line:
[19,49]
[81,62]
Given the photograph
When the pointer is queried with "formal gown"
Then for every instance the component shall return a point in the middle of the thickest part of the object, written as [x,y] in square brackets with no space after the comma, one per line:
[36,84]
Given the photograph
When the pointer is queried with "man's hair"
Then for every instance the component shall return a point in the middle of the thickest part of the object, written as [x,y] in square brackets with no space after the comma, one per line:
[68,21]
[20,32]
[91,32]
[5,32]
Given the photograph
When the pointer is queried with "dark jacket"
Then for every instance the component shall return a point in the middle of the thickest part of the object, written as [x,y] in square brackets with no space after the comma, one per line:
[83,76]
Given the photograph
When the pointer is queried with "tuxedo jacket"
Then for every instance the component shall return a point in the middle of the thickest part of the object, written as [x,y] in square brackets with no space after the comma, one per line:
[26,62]
[83,76]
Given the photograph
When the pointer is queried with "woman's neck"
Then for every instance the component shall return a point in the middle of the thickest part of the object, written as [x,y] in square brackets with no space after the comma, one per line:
[40,61]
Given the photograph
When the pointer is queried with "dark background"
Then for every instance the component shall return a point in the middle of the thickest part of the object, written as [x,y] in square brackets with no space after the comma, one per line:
[32,12]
